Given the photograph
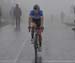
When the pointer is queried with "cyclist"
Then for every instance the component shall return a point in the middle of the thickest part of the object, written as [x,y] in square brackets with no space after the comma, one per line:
[36,20]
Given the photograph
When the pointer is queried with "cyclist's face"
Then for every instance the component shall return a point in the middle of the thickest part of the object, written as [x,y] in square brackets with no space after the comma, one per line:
[36,11]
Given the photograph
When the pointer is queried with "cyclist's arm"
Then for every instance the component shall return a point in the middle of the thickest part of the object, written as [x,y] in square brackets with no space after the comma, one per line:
[30,20]
[30,17]
[42,18]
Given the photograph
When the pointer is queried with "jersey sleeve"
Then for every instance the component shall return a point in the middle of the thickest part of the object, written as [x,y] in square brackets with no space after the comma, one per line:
[41,13]
[31,13]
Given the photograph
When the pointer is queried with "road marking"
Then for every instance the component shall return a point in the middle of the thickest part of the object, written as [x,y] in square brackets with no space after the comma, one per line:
[7,61]
[23,45]
[58,61]
[49,61]
[4,57]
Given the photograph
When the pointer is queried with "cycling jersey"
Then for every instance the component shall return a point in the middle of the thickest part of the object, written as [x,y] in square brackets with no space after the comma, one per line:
[34,16]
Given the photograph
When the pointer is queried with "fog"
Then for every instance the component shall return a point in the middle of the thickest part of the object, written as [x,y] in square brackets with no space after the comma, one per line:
[50,8]
[58,38]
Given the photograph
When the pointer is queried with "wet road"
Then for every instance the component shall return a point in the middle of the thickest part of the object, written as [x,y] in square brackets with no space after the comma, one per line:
[58,44]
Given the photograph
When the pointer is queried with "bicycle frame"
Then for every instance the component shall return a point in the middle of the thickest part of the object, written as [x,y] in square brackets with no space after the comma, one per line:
[36,33]
[36,44]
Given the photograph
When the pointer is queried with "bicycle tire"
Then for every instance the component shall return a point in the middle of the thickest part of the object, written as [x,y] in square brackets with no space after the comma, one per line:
[35,48]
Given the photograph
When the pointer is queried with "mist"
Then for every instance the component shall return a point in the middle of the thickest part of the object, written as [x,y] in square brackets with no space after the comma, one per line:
[49,7]
[58,36]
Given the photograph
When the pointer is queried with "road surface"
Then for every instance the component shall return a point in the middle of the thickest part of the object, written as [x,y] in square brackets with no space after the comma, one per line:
[58,44]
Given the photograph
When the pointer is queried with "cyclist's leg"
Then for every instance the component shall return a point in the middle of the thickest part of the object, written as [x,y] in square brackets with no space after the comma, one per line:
[40,37]
[32,30]
[39,33]
[32,33]
[40,40]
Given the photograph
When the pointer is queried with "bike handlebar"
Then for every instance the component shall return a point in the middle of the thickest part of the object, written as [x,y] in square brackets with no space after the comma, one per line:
[36,28]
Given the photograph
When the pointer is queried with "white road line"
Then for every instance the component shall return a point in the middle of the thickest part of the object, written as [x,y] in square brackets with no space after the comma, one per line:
[50,61]
[58,61]
[4,57]
[23,45]
[7,61]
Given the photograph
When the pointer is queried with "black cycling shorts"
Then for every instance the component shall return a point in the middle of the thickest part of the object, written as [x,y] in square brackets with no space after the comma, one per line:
[37,22]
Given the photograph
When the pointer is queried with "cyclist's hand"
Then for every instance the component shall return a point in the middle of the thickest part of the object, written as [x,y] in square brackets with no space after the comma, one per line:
[29,28]
[42,27]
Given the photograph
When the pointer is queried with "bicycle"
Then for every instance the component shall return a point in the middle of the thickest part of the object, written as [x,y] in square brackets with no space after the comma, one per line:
[36,39]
